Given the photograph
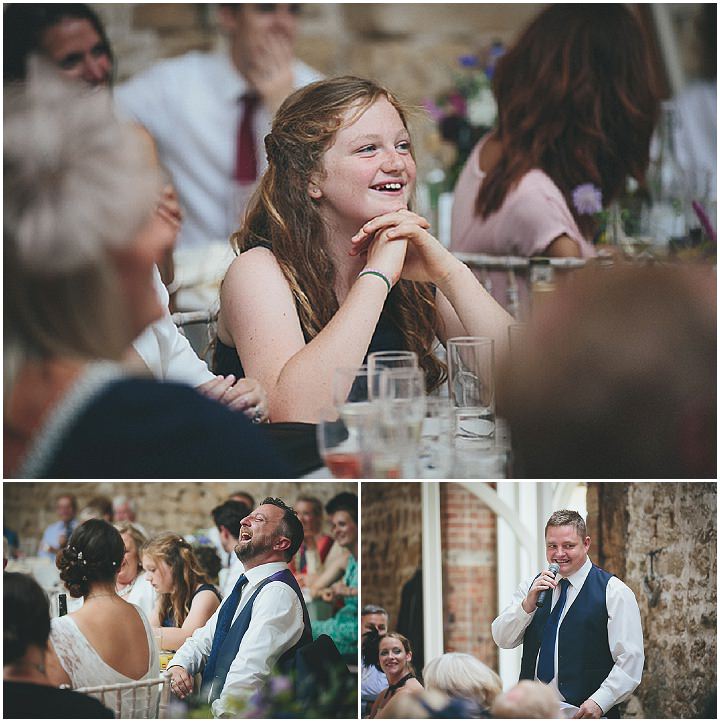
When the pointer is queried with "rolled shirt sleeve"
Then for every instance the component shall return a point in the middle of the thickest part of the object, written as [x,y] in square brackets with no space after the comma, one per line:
[625,639]
[508,629]
[196,648]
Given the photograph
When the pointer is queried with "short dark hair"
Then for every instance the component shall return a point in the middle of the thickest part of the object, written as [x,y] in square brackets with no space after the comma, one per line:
[344,501]
[229,514]
[72,497]
[24,25]
[314,502]
[26,616]
[249,497]
[567,517]
[93,554]
[290,526]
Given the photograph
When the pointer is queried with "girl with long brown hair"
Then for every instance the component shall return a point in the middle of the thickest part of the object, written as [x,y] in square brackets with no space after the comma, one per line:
[331,263]
[186,598]
[576,107]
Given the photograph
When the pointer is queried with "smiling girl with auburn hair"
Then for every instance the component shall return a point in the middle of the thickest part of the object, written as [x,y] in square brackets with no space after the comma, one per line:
[331,262]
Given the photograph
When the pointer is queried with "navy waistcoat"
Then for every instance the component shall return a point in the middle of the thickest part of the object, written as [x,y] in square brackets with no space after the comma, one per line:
[231,645]
[584,659]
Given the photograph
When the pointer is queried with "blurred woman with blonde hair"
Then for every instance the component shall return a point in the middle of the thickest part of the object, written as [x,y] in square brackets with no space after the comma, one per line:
[186,598]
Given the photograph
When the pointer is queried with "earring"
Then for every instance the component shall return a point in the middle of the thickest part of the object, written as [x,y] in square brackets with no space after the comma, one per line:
[315,192]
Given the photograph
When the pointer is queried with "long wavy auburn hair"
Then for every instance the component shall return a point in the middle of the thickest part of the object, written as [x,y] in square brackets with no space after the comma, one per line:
[577,99]
[187,573]
[283,214]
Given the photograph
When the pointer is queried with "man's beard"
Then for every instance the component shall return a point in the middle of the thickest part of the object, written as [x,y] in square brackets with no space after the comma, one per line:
[250,549]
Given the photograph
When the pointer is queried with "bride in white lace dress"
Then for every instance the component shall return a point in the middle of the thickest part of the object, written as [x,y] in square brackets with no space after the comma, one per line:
[108,640]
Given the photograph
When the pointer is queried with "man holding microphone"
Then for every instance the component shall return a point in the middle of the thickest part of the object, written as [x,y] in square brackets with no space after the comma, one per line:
[580,630]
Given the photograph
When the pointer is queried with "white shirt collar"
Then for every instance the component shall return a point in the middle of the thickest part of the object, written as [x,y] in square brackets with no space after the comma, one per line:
[260,572]
[577,579]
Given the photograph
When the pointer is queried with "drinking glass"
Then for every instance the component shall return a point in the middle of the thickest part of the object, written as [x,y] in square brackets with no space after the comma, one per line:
[379,360]
[471,380]
[435,456]
[351,385]
[401,407]
[343,445]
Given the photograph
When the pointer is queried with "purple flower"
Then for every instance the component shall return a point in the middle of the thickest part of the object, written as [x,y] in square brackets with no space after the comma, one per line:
[457,103]
[279,685]
[468,61]
[434,110]
[587,199]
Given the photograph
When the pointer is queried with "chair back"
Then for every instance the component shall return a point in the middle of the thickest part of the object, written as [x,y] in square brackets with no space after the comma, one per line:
[147,697]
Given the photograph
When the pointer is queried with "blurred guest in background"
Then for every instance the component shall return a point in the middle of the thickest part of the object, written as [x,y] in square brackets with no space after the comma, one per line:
[125,510]
[56,535]
[327,239]
[463,677]
[372,680]
[208,114]
[527,700]
[244,497]
[107,640]
[618,378]
[131,582]
[576,106]
[227,518]
[310,558]
[99,507]
[342,628]
[395,660]
[73,38]
[28,693]
[78,289]
[209,561]
[186,599]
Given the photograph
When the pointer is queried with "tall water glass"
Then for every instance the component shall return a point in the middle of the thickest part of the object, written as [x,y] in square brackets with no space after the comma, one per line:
[471,380]
[343,445]
[379,360]
[436,453]
[401,405]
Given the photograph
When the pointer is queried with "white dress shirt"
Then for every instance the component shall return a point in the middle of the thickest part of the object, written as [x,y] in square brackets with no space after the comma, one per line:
[625,637]
[190,105]
[165,351]
[276,625]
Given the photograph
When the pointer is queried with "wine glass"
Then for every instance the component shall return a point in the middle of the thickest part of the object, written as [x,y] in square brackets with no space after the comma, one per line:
[343,445]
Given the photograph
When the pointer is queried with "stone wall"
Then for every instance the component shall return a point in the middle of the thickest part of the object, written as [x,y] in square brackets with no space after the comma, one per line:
[678,605]
[469,544]
[391,529]
[184,507]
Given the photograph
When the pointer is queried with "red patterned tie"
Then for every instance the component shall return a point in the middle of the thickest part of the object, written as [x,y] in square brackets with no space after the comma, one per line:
[246,162]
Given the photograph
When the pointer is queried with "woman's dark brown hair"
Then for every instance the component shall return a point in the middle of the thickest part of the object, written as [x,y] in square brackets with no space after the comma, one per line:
[93,554]
[576,99]
[282,214]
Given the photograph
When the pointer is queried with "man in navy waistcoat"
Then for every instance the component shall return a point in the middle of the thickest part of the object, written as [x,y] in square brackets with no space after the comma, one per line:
[586,641]
[258,626]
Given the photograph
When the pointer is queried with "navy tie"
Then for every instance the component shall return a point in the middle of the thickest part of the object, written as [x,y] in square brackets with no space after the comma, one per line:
[546,660]
[224,622]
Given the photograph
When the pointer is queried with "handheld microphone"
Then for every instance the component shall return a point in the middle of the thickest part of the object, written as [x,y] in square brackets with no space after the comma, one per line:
[554,568]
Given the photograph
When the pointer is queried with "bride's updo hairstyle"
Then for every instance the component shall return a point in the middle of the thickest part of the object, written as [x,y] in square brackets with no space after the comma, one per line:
[93,554]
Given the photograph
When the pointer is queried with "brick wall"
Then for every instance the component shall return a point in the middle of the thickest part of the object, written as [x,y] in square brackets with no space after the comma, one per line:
[391,526]
[28,507]
[680,676]
[469,573]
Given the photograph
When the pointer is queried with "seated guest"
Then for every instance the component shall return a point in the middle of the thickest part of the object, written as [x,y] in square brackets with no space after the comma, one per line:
[107,640]
[331,263]
[395,660]
[186,599]
[99,507]
[209,561]
[464,677]
[342,628]
[310,558]
[78,289]
[528,699]
[125,510]
[262,623]
[576,106]
[227,518]
[72,37]
[627,360]
[372,680]
[131,582]
[56,535]
[27,691]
